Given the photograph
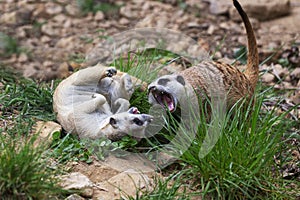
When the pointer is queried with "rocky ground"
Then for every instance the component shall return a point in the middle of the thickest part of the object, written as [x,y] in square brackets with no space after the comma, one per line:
[52,36]
[48,39]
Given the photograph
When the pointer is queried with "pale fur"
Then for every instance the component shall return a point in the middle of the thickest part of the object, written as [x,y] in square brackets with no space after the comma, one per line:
[87,102]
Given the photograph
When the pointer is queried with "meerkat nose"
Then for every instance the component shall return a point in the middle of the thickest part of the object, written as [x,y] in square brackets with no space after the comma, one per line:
[151,89]
[148,118]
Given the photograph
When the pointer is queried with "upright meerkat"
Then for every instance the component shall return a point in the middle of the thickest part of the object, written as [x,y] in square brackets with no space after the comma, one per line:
[94,103]
[209,76]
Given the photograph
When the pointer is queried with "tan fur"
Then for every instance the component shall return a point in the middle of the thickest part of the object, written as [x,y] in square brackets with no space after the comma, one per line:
[208,75]
[237,84]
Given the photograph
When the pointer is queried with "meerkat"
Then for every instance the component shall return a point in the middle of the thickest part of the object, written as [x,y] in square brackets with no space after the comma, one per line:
[94,103]
[208,77]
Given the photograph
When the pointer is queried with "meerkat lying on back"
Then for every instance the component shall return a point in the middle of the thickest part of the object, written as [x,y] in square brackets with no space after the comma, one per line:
[94,103]
[203,77]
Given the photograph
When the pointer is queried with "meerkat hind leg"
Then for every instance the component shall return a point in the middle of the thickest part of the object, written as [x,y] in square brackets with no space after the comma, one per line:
[93,75]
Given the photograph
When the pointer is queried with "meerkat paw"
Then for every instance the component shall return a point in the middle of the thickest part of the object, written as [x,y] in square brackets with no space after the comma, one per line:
[133,110]
[127,84]
[111,72]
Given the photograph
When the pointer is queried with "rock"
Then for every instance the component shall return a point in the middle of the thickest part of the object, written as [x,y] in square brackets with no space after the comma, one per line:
[63,1]
[129,11]
[50,29]
[22,31]
[87,192]
[44,131]
[267,77]
[124,21]
[287,78]
[211,29]
[45,39]
[53,8]
[40,11]
[9,18]
[74,197]
[262,9]
[296,98]
[286,85]
[72,10]
[280,71]
[48,64]
[218,55]
[68,23]
[99,16]
[23,58]
[295,73]
[89,17]
[231,26]
[138,162]
[61,18]
[77,181]
[16,17]
[128,182]
[31,71]
[171,68]
[66,43]
[97,172]
[218,7]
[162,22]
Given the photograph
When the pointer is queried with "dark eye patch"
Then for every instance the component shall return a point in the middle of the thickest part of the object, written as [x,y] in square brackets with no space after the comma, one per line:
[180,79]
[163,81]
[137,121]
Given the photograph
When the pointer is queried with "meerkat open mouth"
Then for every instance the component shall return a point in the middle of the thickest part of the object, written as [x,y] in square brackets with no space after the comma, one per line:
[163,98]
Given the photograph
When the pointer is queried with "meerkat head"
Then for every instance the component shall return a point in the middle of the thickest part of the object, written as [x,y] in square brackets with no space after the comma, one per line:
[130,122]
[166,91]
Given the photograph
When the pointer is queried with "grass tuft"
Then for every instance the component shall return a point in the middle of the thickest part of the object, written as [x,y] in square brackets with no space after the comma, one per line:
[25,97]
[24,172]
[241,165]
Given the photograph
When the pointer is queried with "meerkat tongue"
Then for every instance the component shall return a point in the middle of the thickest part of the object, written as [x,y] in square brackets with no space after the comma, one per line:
[169,102]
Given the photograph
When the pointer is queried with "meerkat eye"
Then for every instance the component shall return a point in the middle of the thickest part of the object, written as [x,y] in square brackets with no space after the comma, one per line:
[163,81]
[137,121]
[113,122]
[180,79]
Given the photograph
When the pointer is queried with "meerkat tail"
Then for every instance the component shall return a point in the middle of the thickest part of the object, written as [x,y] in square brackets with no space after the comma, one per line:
[252,70]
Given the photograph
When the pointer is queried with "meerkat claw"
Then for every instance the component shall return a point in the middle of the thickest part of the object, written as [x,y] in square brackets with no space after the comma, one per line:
[111,72]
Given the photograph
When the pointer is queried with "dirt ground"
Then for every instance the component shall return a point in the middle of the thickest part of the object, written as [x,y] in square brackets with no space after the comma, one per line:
[54,37]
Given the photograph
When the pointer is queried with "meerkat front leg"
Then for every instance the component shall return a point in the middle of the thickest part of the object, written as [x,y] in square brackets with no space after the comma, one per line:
[97,101]
[120,105]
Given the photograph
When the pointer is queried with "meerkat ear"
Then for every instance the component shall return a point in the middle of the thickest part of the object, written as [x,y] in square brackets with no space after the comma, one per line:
[180,79]
[113,122]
